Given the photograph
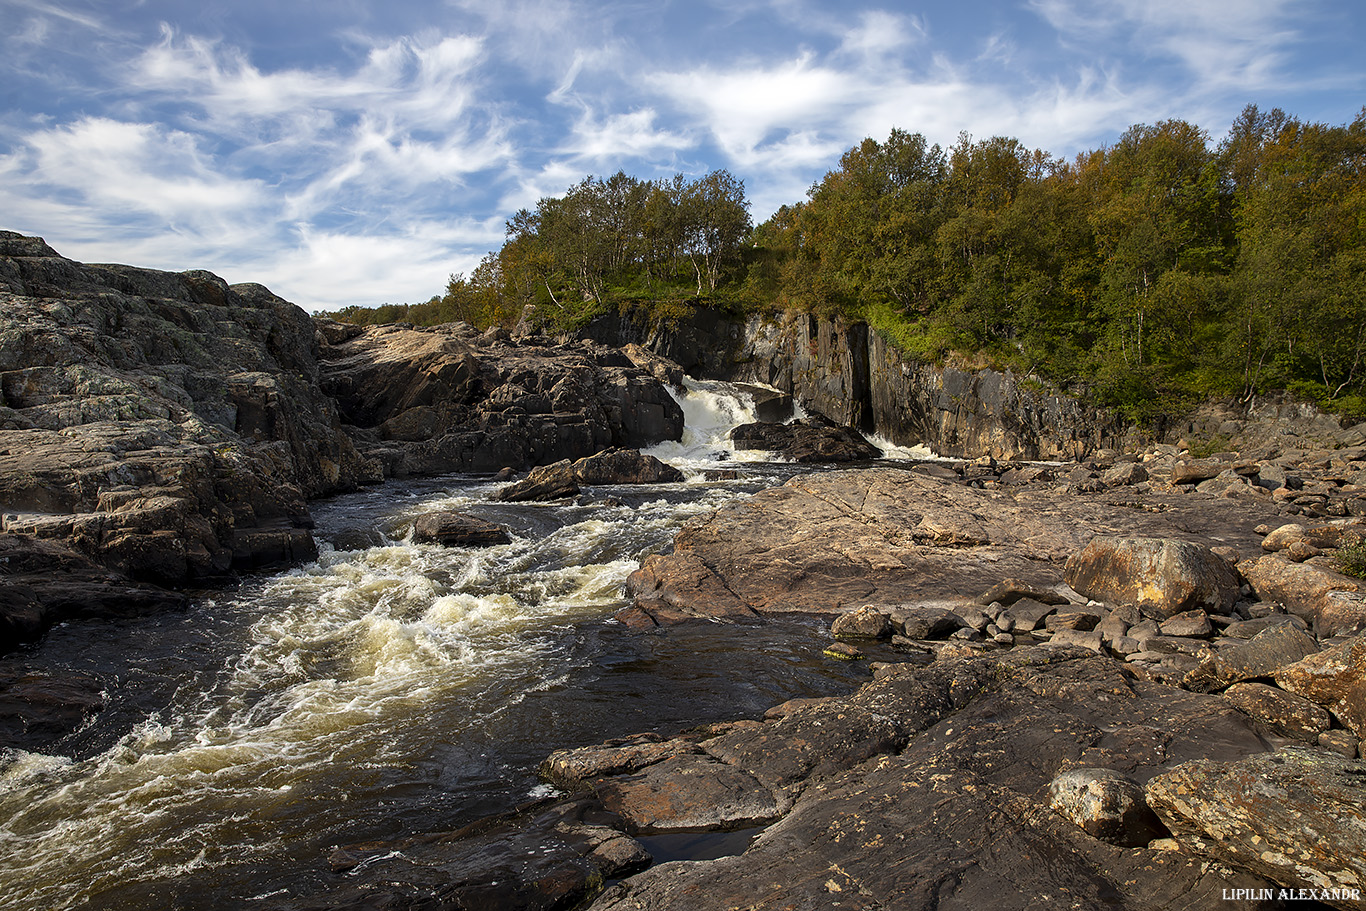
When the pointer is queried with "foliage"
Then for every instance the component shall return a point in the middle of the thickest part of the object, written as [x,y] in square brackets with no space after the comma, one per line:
[1156,272]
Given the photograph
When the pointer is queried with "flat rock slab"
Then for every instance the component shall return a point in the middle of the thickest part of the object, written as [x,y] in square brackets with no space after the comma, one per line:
[828,542]
[688,792]
[952,810]
[1294,816]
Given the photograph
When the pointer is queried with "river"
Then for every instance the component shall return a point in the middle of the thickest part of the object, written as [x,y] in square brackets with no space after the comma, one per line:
[388,688]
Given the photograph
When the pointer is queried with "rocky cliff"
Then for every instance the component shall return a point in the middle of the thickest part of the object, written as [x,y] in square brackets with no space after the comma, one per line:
[172,427]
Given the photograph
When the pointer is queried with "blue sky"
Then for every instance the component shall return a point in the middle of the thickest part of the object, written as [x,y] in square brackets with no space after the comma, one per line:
[358,152]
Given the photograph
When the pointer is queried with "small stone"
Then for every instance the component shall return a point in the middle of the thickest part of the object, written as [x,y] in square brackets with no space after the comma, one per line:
[1106,805]
[1028,613]
[1074,620]
[1079,638]
[1191,623]
[843,651]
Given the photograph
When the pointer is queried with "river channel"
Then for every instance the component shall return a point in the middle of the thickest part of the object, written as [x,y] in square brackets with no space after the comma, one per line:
[387,689]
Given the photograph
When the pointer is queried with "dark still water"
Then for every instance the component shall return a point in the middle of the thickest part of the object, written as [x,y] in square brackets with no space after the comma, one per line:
[388,689]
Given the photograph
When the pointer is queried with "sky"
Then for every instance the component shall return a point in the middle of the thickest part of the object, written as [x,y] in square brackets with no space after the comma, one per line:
[359,152]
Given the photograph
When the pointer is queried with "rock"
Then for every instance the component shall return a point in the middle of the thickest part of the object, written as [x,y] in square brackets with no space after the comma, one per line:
[1292,816]
[1106,805]
[866,622]
[806,440]
[1335,679]
[1247,629]
[1191,623]
[1124,475]
[547,482]
[1009,591]
[37,709]
[1330,601]
[1262,656]
[1344,743]
[926,622]
[843,651]
[1072,620]
[454,529]
[1078,638]
[688,792]
[927,789]
[1162,577]
[540,857]
[624,466]
[1193,471]
[1027,614]
[1283,713]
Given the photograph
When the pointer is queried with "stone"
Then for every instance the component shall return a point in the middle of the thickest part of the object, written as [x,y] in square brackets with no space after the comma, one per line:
[1261,656]
[866,622]
[1106,805]
[454,529]
[1074,620]
[843,651]
[1335,679]
[544,483]
[806,440]
[1161,576]
[624,466]
[1344,743]
[687,792]
[1192,623]
[1331,602]
[1247,629]
[1125,474]
[1283,713]
[1078,638]
[1292,816]
[1027,614]
[1193,471]
[926,622]
[1009,591]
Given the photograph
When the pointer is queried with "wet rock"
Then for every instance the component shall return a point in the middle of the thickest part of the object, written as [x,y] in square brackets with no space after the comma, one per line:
[454,529]
[688,792]
[1162,577]
[1291,816]
[624,466]
[544,483]
[37,708]
[1261,656]
[1106,805]
[1334,678]
[806,440]
[864,623]
[574,768]
[843,651]
[536,859]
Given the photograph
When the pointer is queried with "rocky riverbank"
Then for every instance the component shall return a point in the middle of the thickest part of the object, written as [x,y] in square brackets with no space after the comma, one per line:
[168,428]
[1115,685]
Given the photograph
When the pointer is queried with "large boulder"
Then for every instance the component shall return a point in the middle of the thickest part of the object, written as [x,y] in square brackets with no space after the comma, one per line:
[1332,602]
[1163,577]
[806,440]
[454,529]
[1293,816]
[1334,678]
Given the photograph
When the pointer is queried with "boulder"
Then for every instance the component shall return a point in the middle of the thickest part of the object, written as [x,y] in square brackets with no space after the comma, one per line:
[1163,577]
[1331,602]
[1106,805]
[547,482]
[1191,623]
[1293,816]
[1008,591]
[1283,713]
[866,622]
[806,440]
[1334,678]
[455,529]
[624,466]
[1261,656]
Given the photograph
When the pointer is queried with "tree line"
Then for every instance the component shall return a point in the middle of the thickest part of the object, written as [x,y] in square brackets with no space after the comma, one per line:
[1156,271]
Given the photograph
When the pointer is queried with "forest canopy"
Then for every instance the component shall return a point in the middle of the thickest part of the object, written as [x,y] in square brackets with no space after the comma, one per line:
[1157,271]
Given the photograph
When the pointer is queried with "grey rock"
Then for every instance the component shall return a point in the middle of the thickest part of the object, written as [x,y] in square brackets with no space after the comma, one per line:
[1283,713]
[1262,656]
[1106,805]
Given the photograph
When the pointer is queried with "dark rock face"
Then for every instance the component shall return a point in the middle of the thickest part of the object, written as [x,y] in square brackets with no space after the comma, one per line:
[1293,816]
[448,399]
[38,709]
[810,440]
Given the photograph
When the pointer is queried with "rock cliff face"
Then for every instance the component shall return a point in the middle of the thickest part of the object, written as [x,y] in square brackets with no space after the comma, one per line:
[854,377]
[172,427]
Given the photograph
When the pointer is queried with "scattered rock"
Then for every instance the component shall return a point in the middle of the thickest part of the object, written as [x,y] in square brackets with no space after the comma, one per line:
[1334,678]
[1328,600]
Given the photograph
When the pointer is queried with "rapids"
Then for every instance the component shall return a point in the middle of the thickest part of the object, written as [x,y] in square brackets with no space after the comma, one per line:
[388,688]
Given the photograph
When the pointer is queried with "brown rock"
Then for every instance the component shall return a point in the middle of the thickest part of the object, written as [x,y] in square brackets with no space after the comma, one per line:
[1284,713]
[1106,805]
[688,792]
[1262,656]
[1329,600]
[1162,577]
[1008,591]
[458,530]
[1191,623]
[1335,679]
[866,622]
[1292,816]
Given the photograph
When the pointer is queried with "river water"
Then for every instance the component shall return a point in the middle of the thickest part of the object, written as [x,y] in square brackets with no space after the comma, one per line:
[390,688]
